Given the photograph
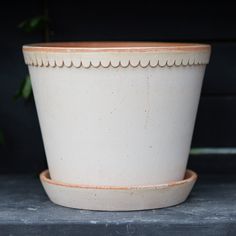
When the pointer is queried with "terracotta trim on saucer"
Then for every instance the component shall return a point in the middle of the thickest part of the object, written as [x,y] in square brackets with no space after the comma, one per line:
[189,177]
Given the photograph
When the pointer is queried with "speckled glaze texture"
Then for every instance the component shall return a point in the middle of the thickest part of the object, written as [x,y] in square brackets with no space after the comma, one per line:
[117,114]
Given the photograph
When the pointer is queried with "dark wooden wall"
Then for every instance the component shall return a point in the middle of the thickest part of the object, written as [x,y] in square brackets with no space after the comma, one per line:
[210,22]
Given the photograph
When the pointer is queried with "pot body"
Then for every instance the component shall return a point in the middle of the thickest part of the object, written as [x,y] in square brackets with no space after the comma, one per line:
[120,126]
[117,113]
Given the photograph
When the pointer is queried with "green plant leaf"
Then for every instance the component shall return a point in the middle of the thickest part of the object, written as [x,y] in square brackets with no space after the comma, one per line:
[25,90]
[2,140]
[33,24]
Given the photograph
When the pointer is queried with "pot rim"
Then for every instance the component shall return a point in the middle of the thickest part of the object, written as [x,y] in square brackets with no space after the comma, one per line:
[116,46]
[115,54]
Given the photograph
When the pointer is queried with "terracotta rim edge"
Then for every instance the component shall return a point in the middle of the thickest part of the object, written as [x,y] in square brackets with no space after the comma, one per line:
[190,176]
[70,47]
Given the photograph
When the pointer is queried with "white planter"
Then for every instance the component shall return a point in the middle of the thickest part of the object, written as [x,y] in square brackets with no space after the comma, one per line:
[117,114]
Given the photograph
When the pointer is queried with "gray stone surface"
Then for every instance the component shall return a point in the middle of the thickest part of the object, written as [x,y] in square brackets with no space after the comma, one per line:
[26,210]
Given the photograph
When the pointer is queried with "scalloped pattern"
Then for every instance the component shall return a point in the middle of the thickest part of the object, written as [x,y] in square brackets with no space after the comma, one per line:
[106,59]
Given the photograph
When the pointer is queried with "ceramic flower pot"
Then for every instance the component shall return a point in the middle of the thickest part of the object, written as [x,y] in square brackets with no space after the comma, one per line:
[116,114]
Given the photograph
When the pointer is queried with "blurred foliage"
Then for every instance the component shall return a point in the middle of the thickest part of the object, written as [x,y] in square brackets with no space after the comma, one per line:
[37,23]
[34,24]
[25,90]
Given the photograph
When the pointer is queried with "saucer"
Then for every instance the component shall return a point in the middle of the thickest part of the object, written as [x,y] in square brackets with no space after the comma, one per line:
[118,198]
